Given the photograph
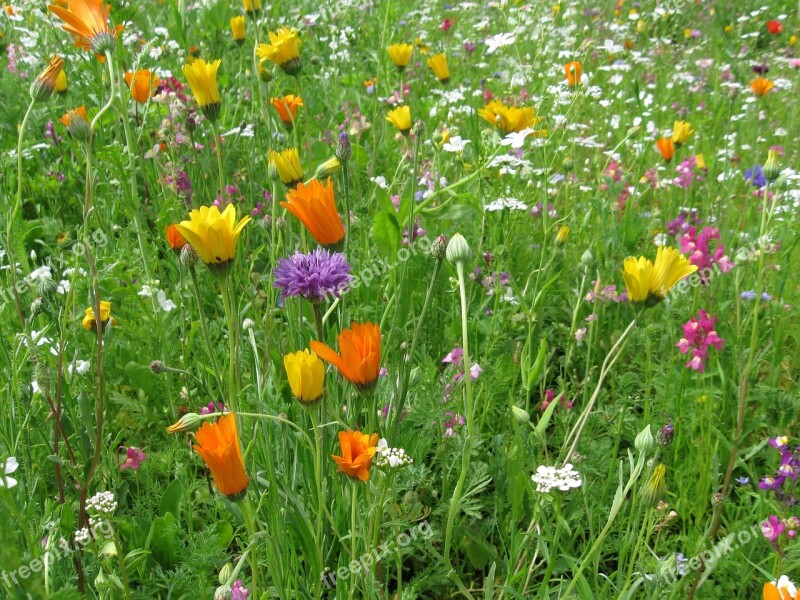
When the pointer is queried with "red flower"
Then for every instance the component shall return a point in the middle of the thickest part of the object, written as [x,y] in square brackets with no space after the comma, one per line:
[446,24]
[774,27]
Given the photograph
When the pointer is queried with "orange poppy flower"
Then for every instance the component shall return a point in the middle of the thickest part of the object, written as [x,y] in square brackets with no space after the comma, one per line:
[358,450]
[360,358]
[218,445]
[174,238]
[87,21]
[573,71]
[315,206]
[142,84]
[761,86]
[771,592]
[666,147]
[287,108]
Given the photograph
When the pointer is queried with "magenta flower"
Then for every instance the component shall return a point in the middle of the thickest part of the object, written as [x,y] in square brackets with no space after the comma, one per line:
[698,335]
[134,458]
[239,592]
[772,529]
[701,254]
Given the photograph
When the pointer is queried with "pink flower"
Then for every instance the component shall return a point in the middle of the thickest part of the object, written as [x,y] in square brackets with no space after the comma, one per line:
[700,253]
[135,457]
[698,335]
[772,529]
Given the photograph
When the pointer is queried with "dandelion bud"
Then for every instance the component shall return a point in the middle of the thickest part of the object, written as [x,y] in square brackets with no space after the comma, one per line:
[343,149]
[587,259]
[665,435]
[188,256]
[225,573]
[655,485]
[188,422]
[419,128]
[157,367]
[439,247]
[328,168]
[520,414]
[644,441]
[562,235]
[458,250]
[771,168]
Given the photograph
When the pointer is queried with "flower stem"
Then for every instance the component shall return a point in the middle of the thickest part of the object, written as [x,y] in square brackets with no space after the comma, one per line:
[250,522]
[353,503]
[226,302]
[465,457]
[220,170]
[203,326]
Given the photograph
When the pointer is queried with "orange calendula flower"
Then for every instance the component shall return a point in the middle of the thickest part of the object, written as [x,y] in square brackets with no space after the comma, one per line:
[761,86]
[142,84]
[287,108]
[360,358]
[87,21]
[666,147]
[358,450]
[45,83]
[218,445]
[283,50]
[175,240]
[573,71]
[781,590]
[509,118]
[314,205]
[438,64]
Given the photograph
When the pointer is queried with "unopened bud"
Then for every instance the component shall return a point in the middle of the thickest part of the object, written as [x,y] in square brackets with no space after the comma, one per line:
[328,168]
[520,414]
[644,441]
[587,259]
[439,247]
[157,367]
[188,256]
[665,435]
[188,422]
[458,250]
[343,149]
[225,573]
[419,128]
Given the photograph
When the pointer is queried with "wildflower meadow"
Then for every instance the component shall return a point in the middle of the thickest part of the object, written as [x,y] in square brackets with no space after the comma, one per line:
[399,299]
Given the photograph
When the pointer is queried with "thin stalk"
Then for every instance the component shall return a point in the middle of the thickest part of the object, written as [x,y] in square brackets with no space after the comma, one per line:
[220,170]
[353,503]
[465,457]
[252,528]
[123,571]
[204,327]
[226,302]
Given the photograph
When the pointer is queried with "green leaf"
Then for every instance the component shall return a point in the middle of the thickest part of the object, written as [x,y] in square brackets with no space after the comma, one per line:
[165,540]
[386,233]
[171,500]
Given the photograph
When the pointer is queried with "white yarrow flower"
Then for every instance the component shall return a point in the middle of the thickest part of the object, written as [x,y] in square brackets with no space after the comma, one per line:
[546,478]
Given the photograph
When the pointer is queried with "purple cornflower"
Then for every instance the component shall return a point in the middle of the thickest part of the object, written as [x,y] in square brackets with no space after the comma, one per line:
[314,276]
[756,176]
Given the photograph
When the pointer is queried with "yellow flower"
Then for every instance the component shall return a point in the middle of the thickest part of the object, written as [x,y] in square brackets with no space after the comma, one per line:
[700,162]
[237,29]
[251,6]
[283,50]
[562,235]
[655,485]
[214,235]
[422,47]
[681,132]
[61,82]
[202,78]
[400,55]
[438,63]
[508,118]
[89,322]
[400,117]
[287,165]
[651,282]
[306,374]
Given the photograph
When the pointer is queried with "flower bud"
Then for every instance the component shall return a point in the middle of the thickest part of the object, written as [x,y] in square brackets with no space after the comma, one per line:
[520,414]
[458,250]
[188,256]
[644,441]
[157,367]
[717,499]
[343,149]
[419,128]
[562,235]
[223,592]
[439,247]
[328,168]
[45,84]
[771,168]
[665,435]
[225,573]
[587,259]
[188,422]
